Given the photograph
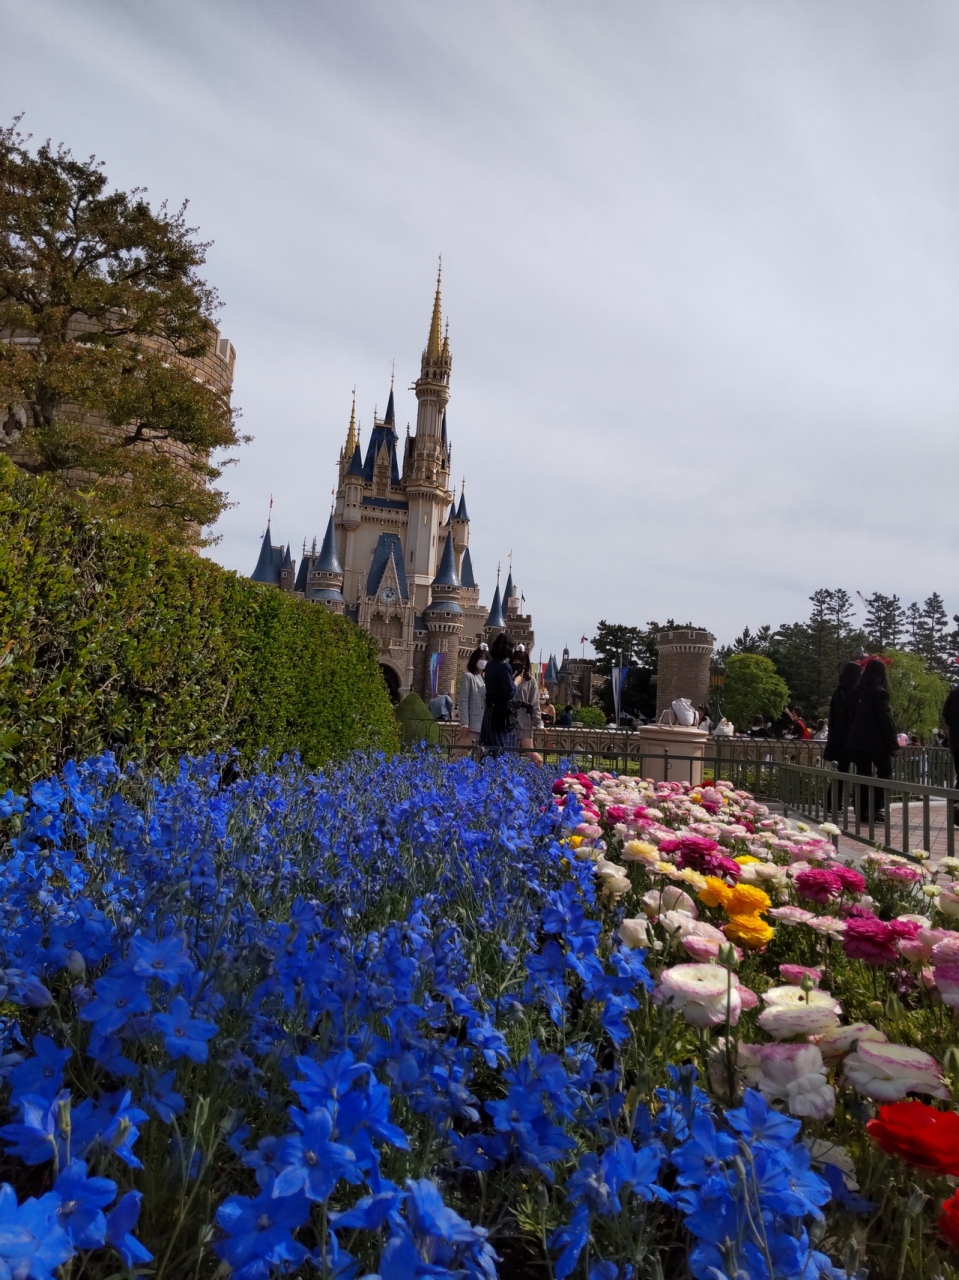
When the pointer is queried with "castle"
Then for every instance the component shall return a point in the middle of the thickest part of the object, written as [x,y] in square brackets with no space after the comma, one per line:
[395,557]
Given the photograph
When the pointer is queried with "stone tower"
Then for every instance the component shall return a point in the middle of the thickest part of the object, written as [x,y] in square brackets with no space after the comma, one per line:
[444,620]
[683,667]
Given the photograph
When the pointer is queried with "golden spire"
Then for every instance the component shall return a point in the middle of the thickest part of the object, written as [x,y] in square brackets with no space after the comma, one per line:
[434,341]
[446,344]
[351,434]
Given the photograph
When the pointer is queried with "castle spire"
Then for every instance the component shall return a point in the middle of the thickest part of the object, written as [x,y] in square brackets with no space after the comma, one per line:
[434,341]
[352,440]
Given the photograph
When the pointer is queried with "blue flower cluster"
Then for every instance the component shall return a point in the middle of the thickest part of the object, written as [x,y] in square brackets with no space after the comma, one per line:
[368,1020]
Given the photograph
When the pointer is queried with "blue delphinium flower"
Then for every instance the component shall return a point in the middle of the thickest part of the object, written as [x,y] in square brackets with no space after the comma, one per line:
[41,1075]
[32,1242]
[167,960]
[259,1233]
[40,1134]
[121,1222]
[119,995]
[310,1162]
[183,1035]
[82,1201]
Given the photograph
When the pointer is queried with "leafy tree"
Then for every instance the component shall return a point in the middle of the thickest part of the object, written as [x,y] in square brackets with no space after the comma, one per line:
[102,297]
[752,688]
[590,717]
[885,621]
[916,694]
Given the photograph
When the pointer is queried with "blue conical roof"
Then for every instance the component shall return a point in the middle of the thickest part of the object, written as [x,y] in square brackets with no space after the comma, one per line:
[551,672]
[461,512]
[356,465]
[390,415]
[268,563]
[287,562]
[496,618]
[328,561]
[447,575]
[508,593]
[466,571]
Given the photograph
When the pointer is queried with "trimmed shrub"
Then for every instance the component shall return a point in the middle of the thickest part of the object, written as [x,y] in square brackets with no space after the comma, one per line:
[416,723]
[111,639]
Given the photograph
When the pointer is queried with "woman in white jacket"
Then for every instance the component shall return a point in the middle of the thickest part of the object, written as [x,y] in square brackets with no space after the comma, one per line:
[471,698]
[528,713]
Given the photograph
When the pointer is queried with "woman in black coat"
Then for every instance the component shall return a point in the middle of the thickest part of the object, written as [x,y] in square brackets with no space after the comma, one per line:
[842,710]
[872,736]
[499,718]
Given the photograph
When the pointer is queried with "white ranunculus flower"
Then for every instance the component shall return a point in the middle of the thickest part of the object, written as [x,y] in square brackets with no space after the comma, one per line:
[672,898]
[793,1012]
[634,932]
[698,991]
[796,1074]
[840,1040]
[887,1072]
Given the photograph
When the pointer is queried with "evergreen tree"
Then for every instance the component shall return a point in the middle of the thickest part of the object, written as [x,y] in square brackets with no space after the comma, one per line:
[752,643]
[885,621]
[934,641]
[101,297]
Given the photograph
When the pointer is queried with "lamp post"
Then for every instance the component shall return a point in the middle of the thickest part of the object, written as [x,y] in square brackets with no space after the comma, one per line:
[717,678]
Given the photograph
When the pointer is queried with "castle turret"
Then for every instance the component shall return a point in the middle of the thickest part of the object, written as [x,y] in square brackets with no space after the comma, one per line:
[427,484]
[269,560]
[287,572]
[495,622]
[444,620]
[324,583]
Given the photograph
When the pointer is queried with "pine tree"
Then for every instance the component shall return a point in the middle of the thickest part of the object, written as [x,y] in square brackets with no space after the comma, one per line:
[935,634]
[885,620]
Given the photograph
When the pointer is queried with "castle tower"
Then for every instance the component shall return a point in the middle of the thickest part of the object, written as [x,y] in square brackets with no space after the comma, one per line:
[427,482]
[287,572]
[495,622]
[682,669]
[269,560]
[324,582]
[444,620]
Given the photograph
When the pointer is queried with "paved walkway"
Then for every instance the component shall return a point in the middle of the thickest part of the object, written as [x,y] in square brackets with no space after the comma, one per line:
[852,848]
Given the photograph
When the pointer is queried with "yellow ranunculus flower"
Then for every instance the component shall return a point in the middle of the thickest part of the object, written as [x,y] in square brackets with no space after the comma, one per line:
[640,851]
[747,900]
[745,859]
[574,841]
[749,931]
[715,892]
[693,878]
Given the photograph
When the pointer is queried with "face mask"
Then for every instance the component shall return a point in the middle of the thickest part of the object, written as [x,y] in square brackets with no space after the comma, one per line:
[480,664]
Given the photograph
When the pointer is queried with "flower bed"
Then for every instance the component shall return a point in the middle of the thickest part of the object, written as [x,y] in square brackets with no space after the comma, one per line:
[415,1019]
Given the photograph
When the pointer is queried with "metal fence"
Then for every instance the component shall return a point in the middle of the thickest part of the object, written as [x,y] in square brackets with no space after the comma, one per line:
[914,809]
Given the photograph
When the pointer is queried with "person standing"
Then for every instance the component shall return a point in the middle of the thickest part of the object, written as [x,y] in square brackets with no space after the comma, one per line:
[499,718]
[471,699]
[873,740]
[950,718]
[529,717]
[842,711]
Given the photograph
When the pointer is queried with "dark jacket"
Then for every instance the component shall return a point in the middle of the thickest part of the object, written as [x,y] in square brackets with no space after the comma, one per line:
[500,696]
[873,732]
[842,712]
[950,717]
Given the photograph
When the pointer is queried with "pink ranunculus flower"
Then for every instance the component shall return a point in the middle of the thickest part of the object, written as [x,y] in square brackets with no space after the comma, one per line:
[616,813]
[873,940]
[796,1074]
[949,903]
[827,926]
[887,1072]
[899,872]
[793,974]
[945,969]
[699,992]
[852,881]
[634,932]
[703,941]
[791,916]
[920,947]
[837,1042]
[819,884]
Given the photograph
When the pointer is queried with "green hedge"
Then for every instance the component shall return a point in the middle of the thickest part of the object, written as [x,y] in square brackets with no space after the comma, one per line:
[111,639]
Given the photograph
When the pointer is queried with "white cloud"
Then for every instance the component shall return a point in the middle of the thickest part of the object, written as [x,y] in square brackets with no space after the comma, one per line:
[700,262]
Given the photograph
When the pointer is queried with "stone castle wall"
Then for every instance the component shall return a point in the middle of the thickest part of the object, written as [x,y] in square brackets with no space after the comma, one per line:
[683,667]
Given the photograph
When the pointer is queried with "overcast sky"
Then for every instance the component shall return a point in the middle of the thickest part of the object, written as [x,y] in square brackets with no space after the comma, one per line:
[700,262]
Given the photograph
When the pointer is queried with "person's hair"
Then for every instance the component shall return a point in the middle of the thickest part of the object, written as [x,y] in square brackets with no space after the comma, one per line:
[503,647]
[568,707]
[849,676]
[473,659]
[758,721]
[521,661]
[797,712]
[874,675]
[820,724]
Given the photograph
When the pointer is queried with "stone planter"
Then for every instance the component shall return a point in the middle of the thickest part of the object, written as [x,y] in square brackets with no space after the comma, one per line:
[672,752]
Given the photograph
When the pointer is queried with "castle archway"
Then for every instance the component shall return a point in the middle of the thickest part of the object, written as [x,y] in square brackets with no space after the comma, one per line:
[392,682]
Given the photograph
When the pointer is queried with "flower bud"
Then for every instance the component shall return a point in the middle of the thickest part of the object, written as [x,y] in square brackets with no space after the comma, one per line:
[893,1009]
[727,956]
[950,1062]
[542,1198]
[76,965]
[123,1129]
[915,1202]
[807,985]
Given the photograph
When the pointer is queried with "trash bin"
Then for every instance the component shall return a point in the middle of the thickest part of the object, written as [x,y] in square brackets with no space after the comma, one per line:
[673,752]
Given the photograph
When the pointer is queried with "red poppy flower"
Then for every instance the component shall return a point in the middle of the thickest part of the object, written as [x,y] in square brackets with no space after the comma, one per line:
[925,1138]
[949,1220]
